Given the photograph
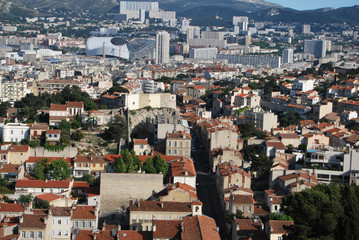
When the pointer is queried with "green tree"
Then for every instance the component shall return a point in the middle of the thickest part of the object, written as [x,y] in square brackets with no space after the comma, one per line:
[34,143]
[87,178]
[65,127]
[59,170]
[25,199]
[160,165]
[324,212]
[148,166]
[77,135]
[117,129]
[3,108]
[120,166]
[40,169]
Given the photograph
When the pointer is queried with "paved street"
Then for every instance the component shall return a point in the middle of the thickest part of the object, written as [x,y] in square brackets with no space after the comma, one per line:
[206,186]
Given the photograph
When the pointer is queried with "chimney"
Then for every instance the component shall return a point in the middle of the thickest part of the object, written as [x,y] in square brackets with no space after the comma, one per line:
[119,227]
[161,204]
[154,228]
[186,173]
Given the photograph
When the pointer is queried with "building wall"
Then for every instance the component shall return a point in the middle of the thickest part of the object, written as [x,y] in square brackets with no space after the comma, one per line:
[60,227]
[185,179]
[15,132]
[178,147]
[18,157]
[118,188]
[143,220]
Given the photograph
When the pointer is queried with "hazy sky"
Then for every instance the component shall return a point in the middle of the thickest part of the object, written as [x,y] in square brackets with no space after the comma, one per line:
[314,4]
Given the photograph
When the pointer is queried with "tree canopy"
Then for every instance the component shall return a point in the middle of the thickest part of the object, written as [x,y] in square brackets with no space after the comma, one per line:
[117,129]
[31,103]
[58,170]
[324,212]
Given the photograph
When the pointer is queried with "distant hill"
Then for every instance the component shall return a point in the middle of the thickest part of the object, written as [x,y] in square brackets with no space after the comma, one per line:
[203,12]
[206,15]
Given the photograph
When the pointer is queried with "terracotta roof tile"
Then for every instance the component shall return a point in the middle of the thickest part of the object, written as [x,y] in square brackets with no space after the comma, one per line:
[160,206]
[277,226]
[11,207]
[83,212]
[19,148]
[42,184]
[167,229]
[199,228]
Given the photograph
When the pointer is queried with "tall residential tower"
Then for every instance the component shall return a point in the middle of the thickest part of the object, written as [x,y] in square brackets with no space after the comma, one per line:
[162,47]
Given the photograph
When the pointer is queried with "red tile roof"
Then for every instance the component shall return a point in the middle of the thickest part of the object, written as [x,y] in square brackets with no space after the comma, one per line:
[249,224]
[178,134]
[140,141]
[74,104]
[58,107]
[10,168]
[89,159]
[199,228]
[42,184]
[19,148]
[38,159]
[48,197]
[101,235]
[32,221]
[83,212]
[11,207]
[182,167]
[53,131]
[160,206]
[81,184]
[167,229]
[241,199]
[277,226]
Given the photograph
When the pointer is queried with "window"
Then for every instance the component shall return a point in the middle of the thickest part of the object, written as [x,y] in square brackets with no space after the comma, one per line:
[142,146]
[175,143]
[66,222]
[94,165]
[23,234]
[59,221]
[32,234]
[275,208]
[279,238]
[169,143]
[58,232]
[181,144]
[12,131]
[175,152]
[249,209]
[39,234]
[66,233]
[53,220]
[90,224]
[242,208]
[76,224]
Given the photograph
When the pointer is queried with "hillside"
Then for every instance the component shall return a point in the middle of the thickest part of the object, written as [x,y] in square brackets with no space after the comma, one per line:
[206,15]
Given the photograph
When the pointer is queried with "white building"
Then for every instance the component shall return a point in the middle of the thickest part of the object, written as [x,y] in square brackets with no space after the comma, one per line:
[306,29]
[302,84]
[203,53]
[15,132]
[162,47]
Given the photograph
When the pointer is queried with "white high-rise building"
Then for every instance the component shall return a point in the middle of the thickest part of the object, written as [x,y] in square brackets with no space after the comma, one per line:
[287,56]
[306,29]
[135,6]
[162,47]
[239,19]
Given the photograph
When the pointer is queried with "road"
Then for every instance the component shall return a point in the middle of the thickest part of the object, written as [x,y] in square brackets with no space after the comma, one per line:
[206,186]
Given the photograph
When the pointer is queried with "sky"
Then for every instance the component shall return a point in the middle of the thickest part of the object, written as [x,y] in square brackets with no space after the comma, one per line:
[314,4]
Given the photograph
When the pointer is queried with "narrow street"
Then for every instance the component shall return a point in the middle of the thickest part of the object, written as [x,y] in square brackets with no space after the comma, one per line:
[206,186]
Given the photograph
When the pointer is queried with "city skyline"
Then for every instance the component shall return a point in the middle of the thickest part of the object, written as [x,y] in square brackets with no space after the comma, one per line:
[310,5]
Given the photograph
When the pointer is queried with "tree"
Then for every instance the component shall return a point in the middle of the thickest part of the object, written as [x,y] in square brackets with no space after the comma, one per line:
[87,178]
[65,127]
[160,165]
[3,108]
[40,169]
[34,143]
[117,129]
[59,170]
[128,162]
[324,212]
[77,135]
[25,199]
[148,166]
